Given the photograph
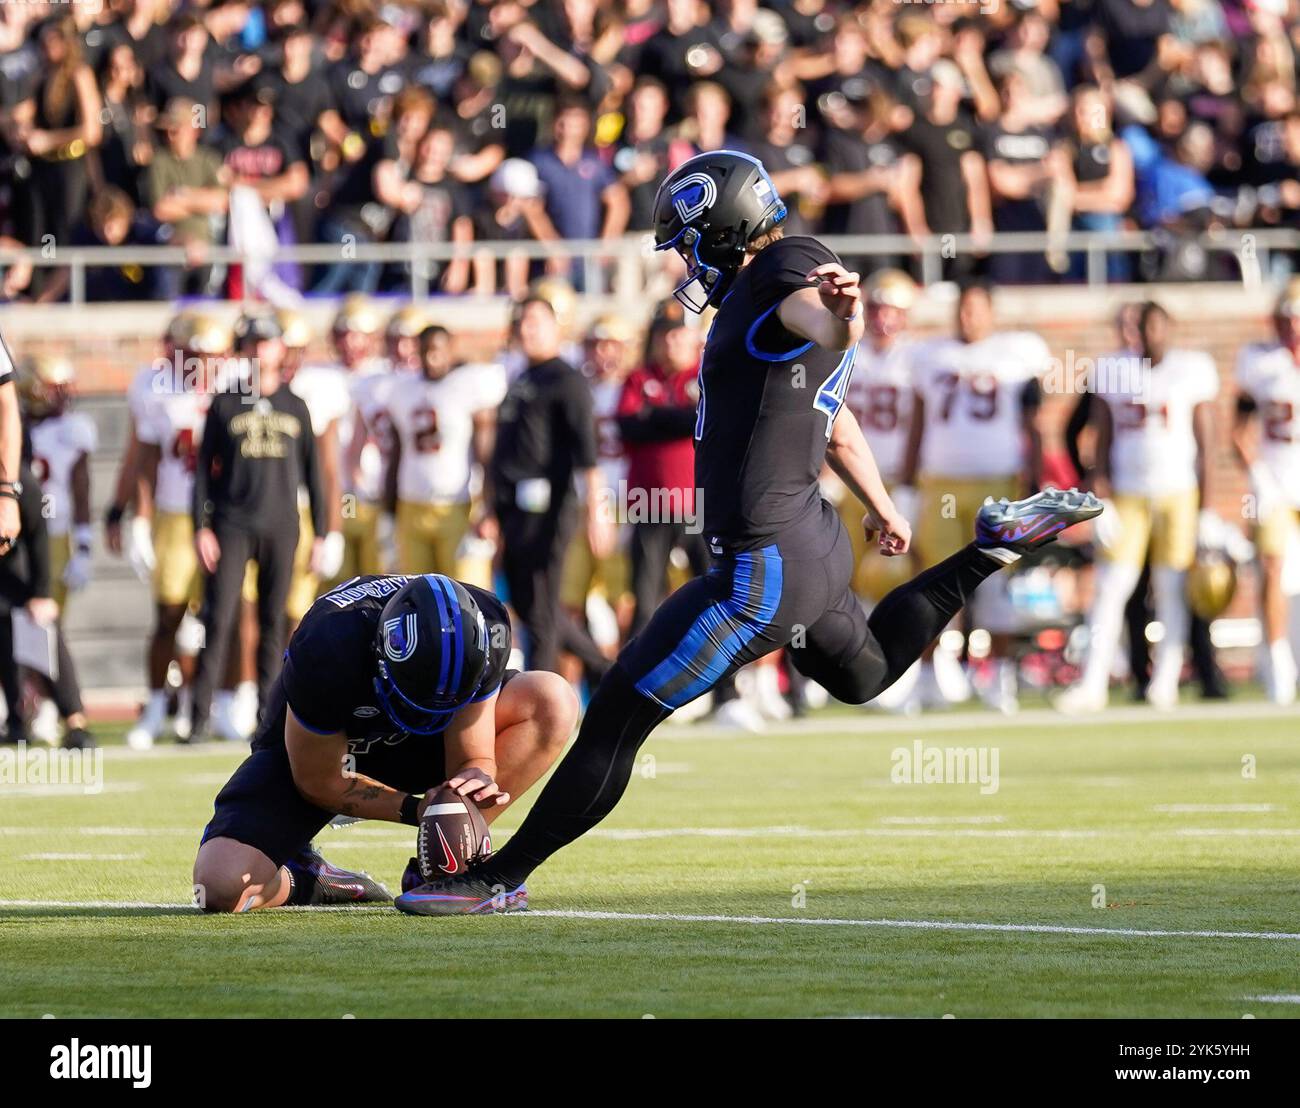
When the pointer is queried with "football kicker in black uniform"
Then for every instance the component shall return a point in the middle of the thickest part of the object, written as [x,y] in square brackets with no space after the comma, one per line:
[775,371]
[390,687]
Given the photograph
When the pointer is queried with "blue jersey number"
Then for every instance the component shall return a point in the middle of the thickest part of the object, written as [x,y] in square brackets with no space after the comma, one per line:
[699,408]
[831,392]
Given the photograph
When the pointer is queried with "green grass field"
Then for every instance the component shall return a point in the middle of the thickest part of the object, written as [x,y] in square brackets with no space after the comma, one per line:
[771,833]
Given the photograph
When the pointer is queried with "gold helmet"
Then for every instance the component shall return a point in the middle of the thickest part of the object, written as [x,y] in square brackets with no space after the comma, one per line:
[1288,303]
[407,323]
[45,383]
[611,328]
[297,331]
[207,335]
[180,328]
[891,287]
[357,313]
[1211,584]
[559,294]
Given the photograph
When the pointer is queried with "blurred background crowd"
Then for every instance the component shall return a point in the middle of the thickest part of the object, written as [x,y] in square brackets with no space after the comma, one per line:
[452,122]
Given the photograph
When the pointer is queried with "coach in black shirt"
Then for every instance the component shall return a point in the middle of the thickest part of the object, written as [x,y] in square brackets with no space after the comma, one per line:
[257,451]
[546,437]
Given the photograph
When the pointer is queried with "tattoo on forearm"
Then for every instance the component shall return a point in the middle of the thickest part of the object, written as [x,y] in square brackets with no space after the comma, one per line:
[360,791]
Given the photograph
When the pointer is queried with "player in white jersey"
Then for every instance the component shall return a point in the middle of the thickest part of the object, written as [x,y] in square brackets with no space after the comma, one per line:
[61,444]
[1267,437]
[402,338]
[1153,416]
[442,422]
[880,395]
[356,335]
[974,434]
[169,403]
[605,365]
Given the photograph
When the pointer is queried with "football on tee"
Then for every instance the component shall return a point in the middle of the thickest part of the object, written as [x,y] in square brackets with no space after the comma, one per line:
[452,834]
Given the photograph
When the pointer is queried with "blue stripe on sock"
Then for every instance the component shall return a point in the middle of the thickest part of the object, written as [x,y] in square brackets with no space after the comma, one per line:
[743,612]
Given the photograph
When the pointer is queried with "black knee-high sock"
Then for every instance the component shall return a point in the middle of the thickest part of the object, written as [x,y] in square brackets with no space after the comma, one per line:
[589,781]
[912,615]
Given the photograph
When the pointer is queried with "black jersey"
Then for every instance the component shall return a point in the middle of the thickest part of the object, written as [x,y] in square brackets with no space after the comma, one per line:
[255,454]
[767,401]
[328,678]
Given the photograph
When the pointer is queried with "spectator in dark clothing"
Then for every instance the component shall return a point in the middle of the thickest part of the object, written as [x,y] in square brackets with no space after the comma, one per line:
[189,69]
[641,158]
[1025,165]
[111,220]
[126,149]
[787,148]
[954,184]
[441,57]
[1102,166]
[583,195]
[361,85]
[682,52]
[873,187]
[368,193]
[298,89]
[444,213]
[1131,31]
[56,129]
[513,213]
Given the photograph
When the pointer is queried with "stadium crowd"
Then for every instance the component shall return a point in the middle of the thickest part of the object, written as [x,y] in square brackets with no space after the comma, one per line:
[458,122]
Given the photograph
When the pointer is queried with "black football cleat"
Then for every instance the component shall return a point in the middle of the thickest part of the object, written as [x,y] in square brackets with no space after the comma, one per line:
[317,881]
[1006,529]
[462,895]
[411,875]
[78,738]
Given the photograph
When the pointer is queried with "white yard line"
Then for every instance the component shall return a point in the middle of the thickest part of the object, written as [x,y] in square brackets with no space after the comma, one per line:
[353,837]
[756,921]
[11,792]
[874,723]
[1278,998]
[1190,808]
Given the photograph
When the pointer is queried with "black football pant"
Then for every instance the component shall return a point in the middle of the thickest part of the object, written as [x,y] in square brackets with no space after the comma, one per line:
[650,548]
[533,547]
[793,592]
[273,551]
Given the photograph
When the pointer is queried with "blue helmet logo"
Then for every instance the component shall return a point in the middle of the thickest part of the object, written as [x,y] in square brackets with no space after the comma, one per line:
[400,637]
[693,195]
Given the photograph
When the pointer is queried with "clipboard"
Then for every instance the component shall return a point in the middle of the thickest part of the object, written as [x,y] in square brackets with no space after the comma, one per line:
[35,645]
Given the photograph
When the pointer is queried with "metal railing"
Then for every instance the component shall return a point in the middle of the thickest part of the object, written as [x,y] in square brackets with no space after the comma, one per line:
[631,258]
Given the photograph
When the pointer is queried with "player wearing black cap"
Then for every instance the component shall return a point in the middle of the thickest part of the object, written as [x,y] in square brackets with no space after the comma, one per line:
[257,451]
[775,371]
[390,686]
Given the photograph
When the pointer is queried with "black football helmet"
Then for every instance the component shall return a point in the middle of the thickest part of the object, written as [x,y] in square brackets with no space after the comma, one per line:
[708,210]
[431,652]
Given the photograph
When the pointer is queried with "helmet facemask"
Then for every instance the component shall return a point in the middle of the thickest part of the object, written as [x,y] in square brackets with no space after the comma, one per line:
[704,283]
